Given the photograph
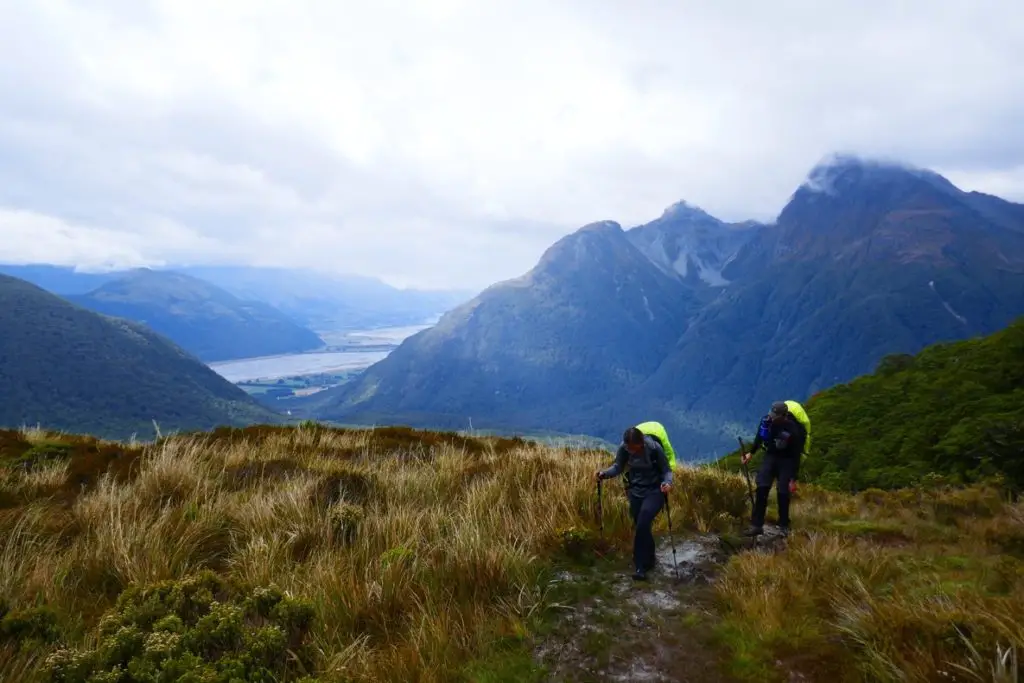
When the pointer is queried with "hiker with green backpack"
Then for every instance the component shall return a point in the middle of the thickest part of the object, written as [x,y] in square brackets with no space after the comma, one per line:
[648,481]
[785,434]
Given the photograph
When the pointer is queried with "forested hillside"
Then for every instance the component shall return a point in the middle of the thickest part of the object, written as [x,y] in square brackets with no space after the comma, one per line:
[955,410]
[67,368]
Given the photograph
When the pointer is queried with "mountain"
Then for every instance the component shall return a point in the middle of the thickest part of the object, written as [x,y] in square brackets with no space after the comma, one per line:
[997,210]
[321,302]
[331,301]
[68,368]
[866,259]
[203,319]
[60,280]
[955,409]
[593,317]
[688,243]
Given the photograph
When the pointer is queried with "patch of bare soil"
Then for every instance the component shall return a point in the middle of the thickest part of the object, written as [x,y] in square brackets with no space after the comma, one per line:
[658,630]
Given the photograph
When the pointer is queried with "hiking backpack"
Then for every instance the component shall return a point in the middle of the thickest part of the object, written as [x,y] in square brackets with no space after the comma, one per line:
[656,431]
[798,413]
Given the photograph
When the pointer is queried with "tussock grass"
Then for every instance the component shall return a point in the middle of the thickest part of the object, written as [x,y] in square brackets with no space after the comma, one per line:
[416,549]
[420,553]
[911,585]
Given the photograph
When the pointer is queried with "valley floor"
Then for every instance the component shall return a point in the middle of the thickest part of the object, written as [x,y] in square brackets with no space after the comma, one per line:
[312,554]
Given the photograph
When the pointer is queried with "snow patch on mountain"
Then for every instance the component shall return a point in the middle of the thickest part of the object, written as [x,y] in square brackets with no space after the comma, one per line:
[688,243]
[681,257]
[647,307]
[711,274]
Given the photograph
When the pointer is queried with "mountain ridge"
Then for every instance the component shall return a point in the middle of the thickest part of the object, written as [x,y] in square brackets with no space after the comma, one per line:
[887,260]
[323,301]
[317,301]
[687,242]
[479,346]
[826,310]
[204,319]
[68,368]
[873,206]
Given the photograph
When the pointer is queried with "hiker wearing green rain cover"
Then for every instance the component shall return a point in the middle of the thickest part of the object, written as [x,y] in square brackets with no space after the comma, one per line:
[783,432]
[648,481]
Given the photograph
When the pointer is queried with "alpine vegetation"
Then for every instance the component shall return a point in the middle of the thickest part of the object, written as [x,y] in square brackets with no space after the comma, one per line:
[317,554]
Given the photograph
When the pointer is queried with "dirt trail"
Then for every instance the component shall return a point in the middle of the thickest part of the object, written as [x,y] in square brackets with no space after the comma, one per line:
[617,629]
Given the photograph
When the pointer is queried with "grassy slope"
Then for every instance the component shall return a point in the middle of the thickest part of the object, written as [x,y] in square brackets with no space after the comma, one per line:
[426,557]
[884,586]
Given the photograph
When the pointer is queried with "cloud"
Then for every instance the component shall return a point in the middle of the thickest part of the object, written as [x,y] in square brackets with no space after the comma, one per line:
[449,142]
[36,238]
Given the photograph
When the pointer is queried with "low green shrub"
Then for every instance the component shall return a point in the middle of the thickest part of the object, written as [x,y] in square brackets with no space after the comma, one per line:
[197,630]
[29,628]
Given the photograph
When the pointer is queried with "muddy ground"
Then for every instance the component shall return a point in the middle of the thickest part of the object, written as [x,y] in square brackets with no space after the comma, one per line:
[615,629]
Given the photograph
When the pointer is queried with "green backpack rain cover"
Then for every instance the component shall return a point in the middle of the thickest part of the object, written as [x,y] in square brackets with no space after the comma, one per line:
[657,430]
[800,414]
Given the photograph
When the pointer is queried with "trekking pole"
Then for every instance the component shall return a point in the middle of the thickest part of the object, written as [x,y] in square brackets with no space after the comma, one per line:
[746,473]
[668,512]
[600,512]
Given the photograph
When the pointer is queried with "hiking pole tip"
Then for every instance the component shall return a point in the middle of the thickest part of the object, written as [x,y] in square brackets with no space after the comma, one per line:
[671,538]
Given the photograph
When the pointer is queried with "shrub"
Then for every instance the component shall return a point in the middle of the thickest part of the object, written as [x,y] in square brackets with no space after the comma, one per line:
[197,629]
[576,543]
[29,628]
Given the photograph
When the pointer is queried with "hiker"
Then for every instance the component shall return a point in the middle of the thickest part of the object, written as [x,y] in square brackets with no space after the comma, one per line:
[783,438]
[648,481]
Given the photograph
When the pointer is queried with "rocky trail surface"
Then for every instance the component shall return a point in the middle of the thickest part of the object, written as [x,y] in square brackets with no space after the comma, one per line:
[614,629]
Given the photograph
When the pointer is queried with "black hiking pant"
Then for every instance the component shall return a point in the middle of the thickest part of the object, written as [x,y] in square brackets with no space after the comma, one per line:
[643,511]
[784,470]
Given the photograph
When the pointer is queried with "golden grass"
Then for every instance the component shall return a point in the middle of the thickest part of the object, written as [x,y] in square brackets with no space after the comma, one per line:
[416,554]
[420,550]
[907,585]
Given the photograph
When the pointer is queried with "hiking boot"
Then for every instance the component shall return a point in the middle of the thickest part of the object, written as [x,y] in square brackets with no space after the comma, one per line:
[754,531]
[640,575]
[784,530]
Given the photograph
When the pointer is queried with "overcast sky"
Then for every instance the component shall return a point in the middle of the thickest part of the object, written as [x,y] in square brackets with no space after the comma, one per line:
[449,142]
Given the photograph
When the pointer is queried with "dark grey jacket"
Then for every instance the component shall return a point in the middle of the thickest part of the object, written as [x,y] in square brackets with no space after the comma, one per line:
[647,470]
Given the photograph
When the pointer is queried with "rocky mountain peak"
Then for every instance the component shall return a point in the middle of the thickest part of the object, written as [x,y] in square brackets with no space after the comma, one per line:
[840,174]
[688,243]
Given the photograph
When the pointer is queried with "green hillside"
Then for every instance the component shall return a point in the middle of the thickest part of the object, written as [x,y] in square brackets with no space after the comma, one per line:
[68,368]
[955,410]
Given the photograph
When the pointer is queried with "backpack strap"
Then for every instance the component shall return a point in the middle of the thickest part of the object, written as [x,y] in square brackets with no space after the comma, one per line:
[654,461]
